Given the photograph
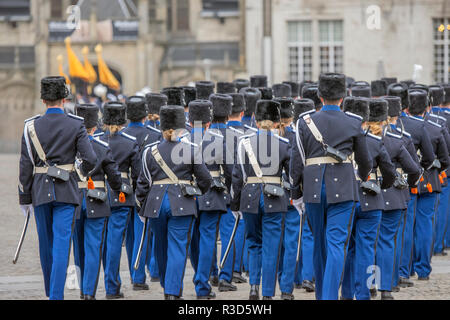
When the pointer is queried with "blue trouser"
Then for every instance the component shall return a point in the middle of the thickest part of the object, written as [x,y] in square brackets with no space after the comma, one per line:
[208,229]
[151,264]
[245,254]
[171,249]
[226,227]
[423,234]
[408,238]
[264,236]
[54,223]
[305,269]
[138,276]
[361,254]
[331,225]
[129,241]
[117,224]
[288,257]
[441,219]
[399,246]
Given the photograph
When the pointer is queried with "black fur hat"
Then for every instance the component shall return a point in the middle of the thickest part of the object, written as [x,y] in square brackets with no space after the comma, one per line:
[332,86]
[446,87]
[379,88]
[399,90]
[436,94]
[258,81]
[419,86]
[226,87]
[286,107]
[390,81]
[304,84]
[357,105]
[281,90]
[241,83]
[409,83]
[204,89]
[200,110]
[359,84]
[378,109]
[175,96]
[394,105]
[266,93]
[251,95]
[155,101]
[89,112]
[311,91]
[301,106]
[136,108]
[114,113]
[418,101]
[349,81]
[267,110]
[222,104]
[238,102]
[294,88]
[53,88]
[172,117]
[190,94]
[361,91]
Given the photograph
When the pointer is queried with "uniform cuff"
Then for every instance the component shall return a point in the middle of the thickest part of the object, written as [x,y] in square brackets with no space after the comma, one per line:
[25,198]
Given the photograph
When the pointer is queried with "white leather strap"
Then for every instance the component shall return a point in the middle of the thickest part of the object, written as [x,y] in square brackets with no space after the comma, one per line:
[252,158]
[35,141]
[163,165]
[314,130]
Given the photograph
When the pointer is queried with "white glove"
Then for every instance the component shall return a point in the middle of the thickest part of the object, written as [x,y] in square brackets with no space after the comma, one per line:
[78,163]
[142,219]
[299,205]
[25,208]
[237,214]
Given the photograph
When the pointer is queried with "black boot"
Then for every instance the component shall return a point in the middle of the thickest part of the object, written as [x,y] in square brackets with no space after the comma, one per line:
[88,297]
[308,286]
[267,298]
[287,296]
[214,280]
[140,286]
[423,278]
[405,283]
[373,293]
[386,295]
[396,289]
[254,292]
[210,295]
[154,279]
[226,286]
[115,296]
[172,297]
[238,278]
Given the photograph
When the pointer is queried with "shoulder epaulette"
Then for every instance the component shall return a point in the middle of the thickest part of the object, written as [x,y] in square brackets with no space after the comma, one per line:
[32,118]
[281,138]
[247,135]
[103,143]
[151,144]
[414,118]
[75,117]
[446,112]
[373,136]
[186,140]
[127,136]
[393,135]
[235,130]
[98,134]
[353,115]
[215,134]
[250,128]
[438,117]
[404,132]
[154,129]
[306,112]
[434,123]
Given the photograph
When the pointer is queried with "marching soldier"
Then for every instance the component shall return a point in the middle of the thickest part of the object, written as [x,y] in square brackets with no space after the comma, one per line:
[325,140]
[257,192]
[92,217]
[266,93]
[166,194]
[154,102]
[47,180]
[241,83]
[310,91]
[251,95]
[295,93]
[281,90]
[190,94]
[204,89]
[226,87]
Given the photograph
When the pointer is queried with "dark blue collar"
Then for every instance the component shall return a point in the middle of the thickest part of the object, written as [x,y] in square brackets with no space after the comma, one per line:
[393,126]
[330,107]
[418,117]
[90,137]
[288,129]
[234,123]
[135,124]
[153,123]
[247,118]
[436,109]
[403,114]
[54,111]
[218,126]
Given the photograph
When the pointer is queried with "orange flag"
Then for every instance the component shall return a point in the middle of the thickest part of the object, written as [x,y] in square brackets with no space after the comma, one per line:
[76,69]
[88,66]
[105,75]
[59,58]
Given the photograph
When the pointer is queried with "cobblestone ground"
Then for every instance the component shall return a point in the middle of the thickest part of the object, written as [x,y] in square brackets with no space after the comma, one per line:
[24,279]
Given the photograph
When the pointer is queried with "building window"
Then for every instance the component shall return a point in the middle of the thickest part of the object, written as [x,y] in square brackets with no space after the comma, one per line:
[331,46]
[300,50]
[152,10]
[56,9]
[182,15]
[18,10]
[441,38]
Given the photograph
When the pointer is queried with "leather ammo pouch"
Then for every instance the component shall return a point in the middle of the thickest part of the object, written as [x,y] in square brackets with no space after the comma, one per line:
[335,153]
[370,187]
[125,188]
[400,182]
[218,183]
[190,191]
[58,173]
[97,195]
[436,164]
[273,190]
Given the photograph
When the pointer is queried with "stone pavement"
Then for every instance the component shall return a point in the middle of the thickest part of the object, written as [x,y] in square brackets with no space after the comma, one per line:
[24,279]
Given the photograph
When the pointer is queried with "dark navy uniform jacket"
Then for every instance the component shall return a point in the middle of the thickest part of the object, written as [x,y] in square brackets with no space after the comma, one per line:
[381,160]
[62,137]
[248,120]
[149,197]
[125,152]
[442,121]
[289,133]
[440,114]
[396,198]
[235,129]
[105,166]
[153,124]
[144,134]
[341,131]
[245,196]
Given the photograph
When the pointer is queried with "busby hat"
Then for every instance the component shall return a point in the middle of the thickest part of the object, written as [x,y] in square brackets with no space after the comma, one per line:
[114,113]
[136,108]
[349,81]
[238,102]
[304,84]
[226,87]
[200,110]
[175,96]
[155,101]
[89,112]
[360,83]
[418,101]
[332,86]
[436,94]
[172,117]
[394,105]
[251,95]
[267,110]
[294,88]
[357,105]
[222,104]
[241,83]
[286,107]
[311,91]
[258,81]
[190,94]
[379,88]
[419,86]
[378,110]
[204,89]
[362,91]
[390,80]
[53,88]
[266,93]
[399,90]
[301,106]
[281,90]
[446,87]
[409,83]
